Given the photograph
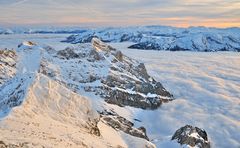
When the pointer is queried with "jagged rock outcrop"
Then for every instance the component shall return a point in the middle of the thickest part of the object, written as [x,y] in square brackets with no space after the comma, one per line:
[8,60]
[192,136]
[120,123]
[17,145]
[105,71]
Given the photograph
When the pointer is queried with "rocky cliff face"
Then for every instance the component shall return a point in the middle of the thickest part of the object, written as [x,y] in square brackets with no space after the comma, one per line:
[8,60]
[122,124]
[108,73]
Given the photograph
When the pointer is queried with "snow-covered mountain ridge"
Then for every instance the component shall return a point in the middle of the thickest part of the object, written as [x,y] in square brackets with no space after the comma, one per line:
[21,67]
[148,37]
[43,84]
[107,72]
[205,86]
[166,38]
[40,30]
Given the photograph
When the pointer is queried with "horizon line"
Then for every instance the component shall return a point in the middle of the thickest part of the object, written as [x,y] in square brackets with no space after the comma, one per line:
[83,25]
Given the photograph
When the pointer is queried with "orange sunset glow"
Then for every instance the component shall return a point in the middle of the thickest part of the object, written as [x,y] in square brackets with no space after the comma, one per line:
[182,13]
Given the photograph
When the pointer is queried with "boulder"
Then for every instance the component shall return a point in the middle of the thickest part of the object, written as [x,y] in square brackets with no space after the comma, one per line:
[192,136]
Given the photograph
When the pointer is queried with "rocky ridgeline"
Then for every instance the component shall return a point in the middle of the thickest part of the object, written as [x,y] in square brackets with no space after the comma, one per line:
[107,72]
[192,136]
[76,69]
[127,82]
[96,68]
[103,70]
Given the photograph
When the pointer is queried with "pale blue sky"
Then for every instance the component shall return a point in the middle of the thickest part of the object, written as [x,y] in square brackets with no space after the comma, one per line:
[218,13]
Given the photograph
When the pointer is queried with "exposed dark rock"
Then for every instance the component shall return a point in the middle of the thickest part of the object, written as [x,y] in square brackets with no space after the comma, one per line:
[131,37]
[123,81]
[15,96]
[177,48]
[119,56]
[145,45]
[119,123]
[95,55]
[92,124]
[8,59]
[44,69]
[122,98]
[50,50]
[155,46]
[130,84]
[19,145]
[67,53]
[192,136]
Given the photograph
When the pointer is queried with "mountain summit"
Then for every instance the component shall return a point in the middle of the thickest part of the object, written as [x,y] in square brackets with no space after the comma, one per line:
[42,93]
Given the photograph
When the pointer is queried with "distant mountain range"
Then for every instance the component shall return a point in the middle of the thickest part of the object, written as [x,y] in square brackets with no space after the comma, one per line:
[167,38]
[149,37]
[42,30]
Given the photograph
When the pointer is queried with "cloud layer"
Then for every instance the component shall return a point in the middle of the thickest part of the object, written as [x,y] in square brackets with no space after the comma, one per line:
[218,13]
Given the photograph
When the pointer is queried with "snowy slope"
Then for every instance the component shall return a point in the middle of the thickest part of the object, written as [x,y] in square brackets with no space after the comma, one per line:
[40,110]
[13,91]
[53,116]
[166,38]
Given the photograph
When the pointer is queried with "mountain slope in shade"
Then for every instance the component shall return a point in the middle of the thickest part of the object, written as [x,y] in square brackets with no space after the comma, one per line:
[7,64]
[166,38]
[25,66]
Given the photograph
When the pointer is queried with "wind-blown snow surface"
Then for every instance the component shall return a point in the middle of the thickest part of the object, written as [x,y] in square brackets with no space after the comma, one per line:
[207,91]
[54,116]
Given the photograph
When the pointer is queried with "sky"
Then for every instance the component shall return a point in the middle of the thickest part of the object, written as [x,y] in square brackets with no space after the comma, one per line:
[180,13]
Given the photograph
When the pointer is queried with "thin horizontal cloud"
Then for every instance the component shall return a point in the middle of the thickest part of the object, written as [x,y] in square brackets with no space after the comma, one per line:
[124,12]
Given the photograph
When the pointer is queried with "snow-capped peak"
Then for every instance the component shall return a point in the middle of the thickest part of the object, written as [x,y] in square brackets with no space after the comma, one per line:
[166,38]
[46,86]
